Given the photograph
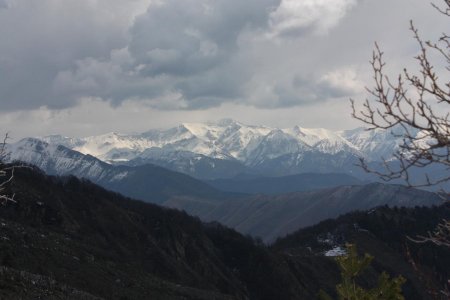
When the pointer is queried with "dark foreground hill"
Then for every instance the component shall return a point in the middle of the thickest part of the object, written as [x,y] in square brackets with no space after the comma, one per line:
[386,234]
[70,239]
[74,238]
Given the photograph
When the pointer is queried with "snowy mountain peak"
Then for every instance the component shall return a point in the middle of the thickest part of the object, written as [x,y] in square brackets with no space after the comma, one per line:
[228,139]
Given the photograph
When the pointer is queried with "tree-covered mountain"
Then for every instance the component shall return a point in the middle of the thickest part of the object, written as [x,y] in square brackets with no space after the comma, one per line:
[387,234]
[72,233]
[270,217]
[67,238]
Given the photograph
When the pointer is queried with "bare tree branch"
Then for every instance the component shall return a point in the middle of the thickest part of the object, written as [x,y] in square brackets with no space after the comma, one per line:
[416,108]
[6,174]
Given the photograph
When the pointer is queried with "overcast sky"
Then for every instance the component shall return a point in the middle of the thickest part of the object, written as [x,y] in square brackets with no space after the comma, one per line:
[87,67]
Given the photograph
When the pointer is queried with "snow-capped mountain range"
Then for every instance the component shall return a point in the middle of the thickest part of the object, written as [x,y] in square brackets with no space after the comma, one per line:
[228,139]
[227,148]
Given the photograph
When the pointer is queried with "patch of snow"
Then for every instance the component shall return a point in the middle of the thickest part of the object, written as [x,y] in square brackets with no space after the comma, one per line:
[336,251]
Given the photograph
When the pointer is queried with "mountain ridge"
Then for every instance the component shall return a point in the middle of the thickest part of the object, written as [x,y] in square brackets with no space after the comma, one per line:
[219,140]
[227,148]
[147,182]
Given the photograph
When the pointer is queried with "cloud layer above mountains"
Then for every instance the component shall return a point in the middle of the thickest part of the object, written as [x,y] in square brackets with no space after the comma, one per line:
[190,55]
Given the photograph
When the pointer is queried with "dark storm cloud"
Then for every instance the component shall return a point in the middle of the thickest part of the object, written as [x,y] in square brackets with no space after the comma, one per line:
[38,39]
[188,54]
[189,49]
[129,65]
[189,37]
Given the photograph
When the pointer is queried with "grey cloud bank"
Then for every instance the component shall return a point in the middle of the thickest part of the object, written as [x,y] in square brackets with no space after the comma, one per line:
[195,59]
[175,55]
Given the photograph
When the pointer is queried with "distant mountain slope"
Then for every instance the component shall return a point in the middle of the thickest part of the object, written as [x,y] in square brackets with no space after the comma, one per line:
[270,217]
[196,165]
[227,148]
[146,182]
[283,184]
[154,184]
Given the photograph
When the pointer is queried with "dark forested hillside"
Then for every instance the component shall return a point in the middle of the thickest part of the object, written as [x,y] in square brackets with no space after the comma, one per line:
[386,234]
[69,239]
[71,233]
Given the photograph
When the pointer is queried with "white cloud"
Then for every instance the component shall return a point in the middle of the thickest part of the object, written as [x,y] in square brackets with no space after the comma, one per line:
[344,81]
[294,17]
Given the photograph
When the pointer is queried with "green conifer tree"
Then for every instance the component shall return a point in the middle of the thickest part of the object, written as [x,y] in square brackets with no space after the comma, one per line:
[352,266]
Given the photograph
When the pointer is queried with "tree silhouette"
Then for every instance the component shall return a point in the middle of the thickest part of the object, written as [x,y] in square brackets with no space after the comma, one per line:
[416,108]
[6,174]
[352,266]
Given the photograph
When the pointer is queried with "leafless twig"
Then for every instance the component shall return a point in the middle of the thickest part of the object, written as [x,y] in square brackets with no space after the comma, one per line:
[6,174]
[415,108]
